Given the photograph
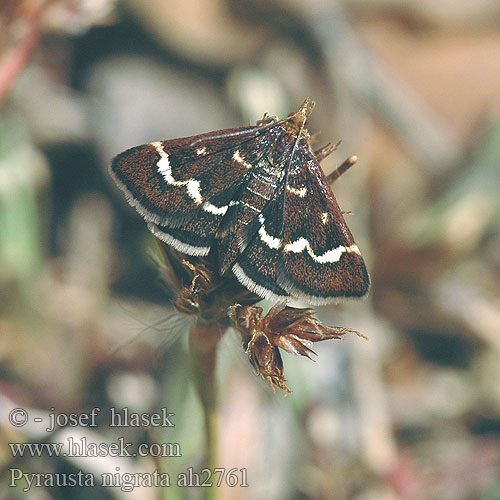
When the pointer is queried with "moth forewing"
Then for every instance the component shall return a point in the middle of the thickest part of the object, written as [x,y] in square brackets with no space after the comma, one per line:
[257,198]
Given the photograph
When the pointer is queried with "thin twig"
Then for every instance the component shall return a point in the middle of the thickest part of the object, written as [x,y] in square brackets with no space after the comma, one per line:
[346,165]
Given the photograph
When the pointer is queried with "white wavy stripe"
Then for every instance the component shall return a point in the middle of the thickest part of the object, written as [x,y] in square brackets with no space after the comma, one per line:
[329,256]
[270,241]
[213,209]
[192,185]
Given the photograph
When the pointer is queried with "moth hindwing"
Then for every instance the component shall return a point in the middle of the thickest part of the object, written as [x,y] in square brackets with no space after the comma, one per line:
[257,198]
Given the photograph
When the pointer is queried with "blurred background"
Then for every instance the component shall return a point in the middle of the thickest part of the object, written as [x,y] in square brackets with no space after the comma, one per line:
[412,88]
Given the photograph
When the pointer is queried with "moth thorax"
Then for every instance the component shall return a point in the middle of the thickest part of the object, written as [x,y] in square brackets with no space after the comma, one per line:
[272,165]
[274,170]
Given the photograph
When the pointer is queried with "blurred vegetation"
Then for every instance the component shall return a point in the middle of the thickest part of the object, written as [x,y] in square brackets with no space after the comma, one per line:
[412,88]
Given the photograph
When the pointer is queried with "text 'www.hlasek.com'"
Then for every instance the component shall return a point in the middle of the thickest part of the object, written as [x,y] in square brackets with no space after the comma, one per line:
[64,439]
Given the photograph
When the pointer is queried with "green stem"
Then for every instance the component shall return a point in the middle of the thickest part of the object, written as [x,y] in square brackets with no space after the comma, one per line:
[203,339]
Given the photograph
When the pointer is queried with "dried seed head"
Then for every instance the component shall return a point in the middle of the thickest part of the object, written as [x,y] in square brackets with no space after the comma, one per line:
[291,329]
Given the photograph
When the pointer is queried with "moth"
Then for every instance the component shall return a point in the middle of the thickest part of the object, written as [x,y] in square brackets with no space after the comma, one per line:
[256,199]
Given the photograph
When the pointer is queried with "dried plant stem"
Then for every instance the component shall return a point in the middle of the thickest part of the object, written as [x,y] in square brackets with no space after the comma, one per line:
[203,339]
[16,58]
[347,164]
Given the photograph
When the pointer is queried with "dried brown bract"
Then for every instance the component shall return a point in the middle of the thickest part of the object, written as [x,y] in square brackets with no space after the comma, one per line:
[291,329]
[266,360]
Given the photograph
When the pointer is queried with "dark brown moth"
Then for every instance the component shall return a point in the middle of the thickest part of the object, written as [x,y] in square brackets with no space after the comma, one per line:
[257,199]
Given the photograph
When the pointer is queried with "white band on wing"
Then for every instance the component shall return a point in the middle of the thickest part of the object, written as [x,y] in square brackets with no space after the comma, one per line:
[329,256]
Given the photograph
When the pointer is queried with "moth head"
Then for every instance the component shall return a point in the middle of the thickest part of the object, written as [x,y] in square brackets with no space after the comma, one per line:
[298,119]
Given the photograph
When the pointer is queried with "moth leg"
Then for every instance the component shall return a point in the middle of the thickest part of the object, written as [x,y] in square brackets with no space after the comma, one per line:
[192,295]
[201,278]
[347,164]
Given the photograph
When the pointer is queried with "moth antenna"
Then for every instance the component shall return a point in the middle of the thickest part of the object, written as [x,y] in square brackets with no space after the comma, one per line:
[346,165]
[327,150]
